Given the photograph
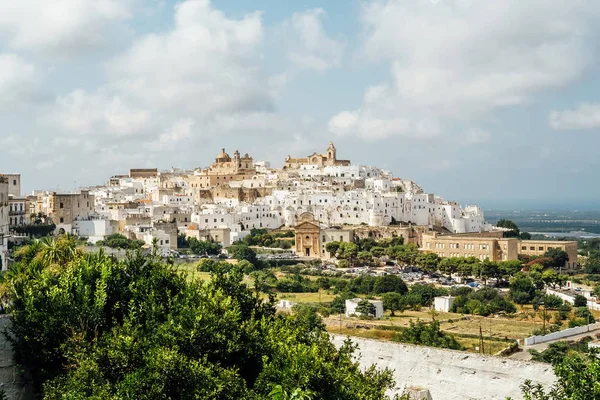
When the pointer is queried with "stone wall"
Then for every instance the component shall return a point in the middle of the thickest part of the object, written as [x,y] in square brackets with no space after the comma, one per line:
[451,375]
[11,379]
[530,341]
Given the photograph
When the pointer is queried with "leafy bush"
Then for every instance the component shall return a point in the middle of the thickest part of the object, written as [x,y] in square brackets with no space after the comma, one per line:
[296,284]
[580,301]
[483,302]
[88,326]
[427,334]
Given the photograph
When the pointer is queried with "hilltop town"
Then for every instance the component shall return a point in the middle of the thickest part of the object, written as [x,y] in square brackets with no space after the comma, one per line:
[319,232]
[324,198]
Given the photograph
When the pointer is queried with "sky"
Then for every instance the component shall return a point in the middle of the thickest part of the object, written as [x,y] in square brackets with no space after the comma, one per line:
[494,103]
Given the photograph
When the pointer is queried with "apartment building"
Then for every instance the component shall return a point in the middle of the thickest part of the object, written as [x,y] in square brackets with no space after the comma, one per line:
[4,185]
[64,208]
[18,211]
[481,247]
[492,246]
[539,247]
[14,184]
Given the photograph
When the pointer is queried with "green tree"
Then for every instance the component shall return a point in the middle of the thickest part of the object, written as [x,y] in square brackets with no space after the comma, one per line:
[332,248]
[578,376]
[377,251]
[347,251]
[485,270]
[425,294]
[552,301]
[550,277]
[393,301]
[522,289]
[428,262]
[508,224]
[243,252]
[427,334]
[448,266]
[364,257]
[389,283]
[278,393]
[366,308]
[98,328]
[559,257]
[579,301]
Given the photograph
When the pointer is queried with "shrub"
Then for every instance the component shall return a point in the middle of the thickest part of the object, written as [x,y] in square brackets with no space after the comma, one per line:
[580,301]
[427,334]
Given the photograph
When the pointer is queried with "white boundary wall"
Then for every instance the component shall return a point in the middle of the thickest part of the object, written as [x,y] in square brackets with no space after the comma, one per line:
[561,334]
[592,305]
[448,374]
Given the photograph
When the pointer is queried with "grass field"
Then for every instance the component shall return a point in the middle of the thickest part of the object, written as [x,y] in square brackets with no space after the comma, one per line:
[189,269]
[322,296]
[490,346]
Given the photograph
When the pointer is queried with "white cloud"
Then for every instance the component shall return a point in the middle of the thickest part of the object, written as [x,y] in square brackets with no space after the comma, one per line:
[586,116]
[82,113]
[308,44]
[62,26]
[19,80]
[476,136]
[206,68]
[168,140]
[208,63]
[458,60]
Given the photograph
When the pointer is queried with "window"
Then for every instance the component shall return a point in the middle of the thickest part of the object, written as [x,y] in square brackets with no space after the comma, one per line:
[206,220]
[532,248]
[324,238]
[14,182]
[166,242]
[62,220]
[523,247]
[541,248]
[62,205]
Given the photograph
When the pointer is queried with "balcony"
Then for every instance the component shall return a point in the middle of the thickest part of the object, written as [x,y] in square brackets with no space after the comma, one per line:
[14,212]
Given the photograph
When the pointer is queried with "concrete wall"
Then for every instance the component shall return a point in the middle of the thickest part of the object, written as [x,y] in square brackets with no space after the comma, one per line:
[11,380]
[592,305]
[561,334]
[451,375]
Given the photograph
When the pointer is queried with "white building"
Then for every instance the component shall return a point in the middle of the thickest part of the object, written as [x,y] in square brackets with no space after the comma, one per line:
[443,303]
[353,303]
[93,229]
[4,222]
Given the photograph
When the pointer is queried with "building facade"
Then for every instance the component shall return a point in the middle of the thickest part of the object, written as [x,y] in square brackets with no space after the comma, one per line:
[4,185]
[327,159]
[18,211]
[492,246]
[14,184]
[63,209]
[484,247]
[539,247]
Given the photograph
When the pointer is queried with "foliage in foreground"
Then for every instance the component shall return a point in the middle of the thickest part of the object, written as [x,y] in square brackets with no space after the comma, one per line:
[578,379]
[88,326]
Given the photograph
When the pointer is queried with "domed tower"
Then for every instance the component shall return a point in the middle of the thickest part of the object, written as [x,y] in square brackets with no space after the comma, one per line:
[223,157]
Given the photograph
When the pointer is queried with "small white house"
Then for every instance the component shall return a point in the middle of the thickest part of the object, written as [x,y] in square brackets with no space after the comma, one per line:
[285,305]
[443,303]
[353,303]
